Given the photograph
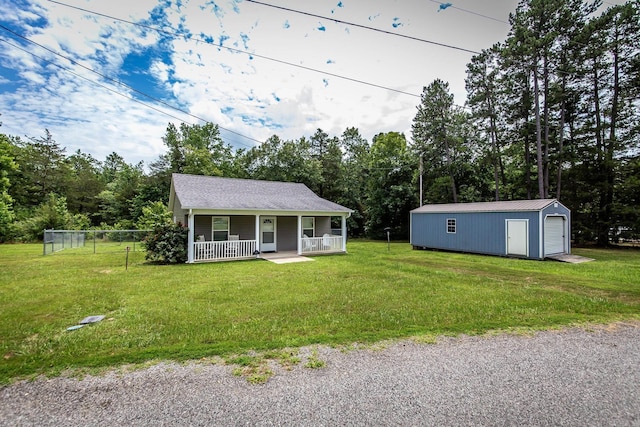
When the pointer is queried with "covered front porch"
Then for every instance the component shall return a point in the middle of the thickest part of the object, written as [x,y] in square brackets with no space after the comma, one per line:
[224,236]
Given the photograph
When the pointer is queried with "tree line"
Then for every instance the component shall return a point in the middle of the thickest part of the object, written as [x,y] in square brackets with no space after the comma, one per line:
[551,112]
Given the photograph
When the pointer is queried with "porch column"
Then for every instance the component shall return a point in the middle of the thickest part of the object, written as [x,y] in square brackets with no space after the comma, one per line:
[299,241]
[258,233]
[344,233]
[190,224]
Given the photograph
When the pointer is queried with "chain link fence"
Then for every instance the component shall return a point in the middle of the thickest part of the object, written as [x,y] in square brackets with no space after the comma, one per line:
[92,241]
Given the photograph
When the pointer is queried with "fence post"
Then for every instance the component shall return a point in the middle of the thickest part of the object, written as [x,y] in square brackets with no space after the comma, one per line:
[94,241]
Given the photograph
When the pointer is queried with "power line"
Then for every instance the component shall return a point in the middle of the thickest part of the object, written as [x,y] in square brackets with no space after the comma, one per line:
[118,82]
[89,80]
[391,33]
[449,5]
[231,49]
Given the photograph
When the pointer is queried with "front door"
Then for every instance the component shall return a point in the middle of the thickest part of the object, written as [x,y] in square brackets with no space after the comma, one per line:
[268,234]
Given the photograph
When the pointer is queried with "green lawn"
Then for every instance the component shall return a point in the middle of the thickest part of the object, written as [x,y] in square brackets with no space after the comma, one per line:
[194,311]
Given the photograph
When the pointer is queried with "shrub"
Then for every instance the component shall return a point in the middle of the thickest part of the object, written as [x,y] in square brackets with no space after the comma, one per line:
[153,215]
[167,244]
[50,214]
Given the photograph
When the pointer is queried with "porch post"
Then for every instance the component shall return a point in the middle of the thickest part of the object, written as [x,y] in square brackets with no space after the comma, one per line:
[299,241]
[190,224]
[258,232]
[344,233]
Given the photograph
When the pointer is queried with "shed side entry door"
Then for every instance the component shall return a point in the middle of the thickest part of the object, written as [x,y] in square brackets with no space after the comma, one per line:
[517,237]
[554,235]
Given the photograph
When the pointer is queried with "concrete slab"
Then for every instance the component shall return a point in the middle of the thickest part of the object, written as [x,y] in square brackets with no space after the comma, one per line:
[288,260]
[570,258]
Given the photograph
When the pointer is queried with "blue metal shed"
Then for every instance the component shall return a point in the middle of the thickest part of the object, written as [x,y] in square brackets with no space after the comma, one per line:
[532,229]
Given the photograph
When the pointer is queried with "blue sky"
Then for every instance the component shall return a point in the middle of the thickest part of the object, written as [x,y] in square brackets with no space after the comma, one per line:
[249,88]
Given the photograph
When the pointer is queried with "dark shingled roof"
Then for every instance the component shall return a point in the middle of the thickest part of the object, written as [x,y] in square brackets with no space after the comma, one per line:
[506,206]
[212,192]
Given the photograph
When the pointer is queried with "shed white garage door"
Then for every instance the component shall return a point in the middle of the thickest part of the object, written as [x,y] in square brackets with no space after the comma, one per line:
[554,235]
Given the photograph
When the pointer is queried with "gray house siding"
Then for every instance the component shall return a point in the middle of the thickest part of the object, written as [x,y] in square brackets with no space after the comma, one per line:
[323,225]
[484,232]
[287,236]
[243,226]
[179,214]
[202,226]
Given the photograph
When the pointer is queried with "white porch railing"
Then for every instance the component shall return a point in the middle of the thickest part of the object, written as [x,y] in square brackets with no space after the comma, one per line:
[225,250]
[321,244]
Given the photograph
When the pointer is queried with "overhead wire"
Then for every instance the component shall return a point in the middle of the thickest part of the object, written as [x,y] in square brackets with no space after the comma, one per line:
[118,82]
[231,49]
[353,24]
[89,80]
[449,5]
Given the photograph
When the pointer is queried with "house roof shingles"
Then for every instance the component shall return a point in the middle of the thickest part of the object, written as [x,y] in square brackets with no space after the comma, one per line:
[502,206]
[211,192]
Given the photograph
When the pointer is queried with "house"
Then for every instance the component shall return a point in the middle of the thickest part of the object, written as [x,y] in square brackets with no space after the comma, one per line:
[231,218]
[533,229]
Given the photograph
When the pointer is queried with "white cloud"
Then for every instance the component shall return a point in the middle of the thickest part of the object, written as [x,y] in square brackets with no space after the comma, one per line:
[256,97]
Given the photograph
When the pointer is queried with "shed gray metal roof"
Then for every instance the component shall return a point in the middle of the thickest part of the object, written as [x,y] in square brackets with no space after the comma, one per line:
[212,192]
[502,206]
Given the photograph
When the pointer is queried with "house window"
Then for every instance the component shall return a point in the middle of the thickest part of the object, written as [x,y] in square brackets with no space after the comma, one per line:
[308,226]
[451,225]
[220,228]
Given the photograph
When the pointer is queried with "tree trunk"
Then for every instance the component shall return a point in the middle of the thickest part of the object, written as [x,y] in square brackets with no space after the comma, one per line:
[563,106]
[602,226]
[536,97]
[610,145]
[451,176]
[545,160]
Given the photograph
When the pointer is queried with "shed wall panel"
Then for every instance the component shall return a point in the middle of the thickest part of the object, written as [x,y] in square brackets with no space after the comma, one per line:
[478,232]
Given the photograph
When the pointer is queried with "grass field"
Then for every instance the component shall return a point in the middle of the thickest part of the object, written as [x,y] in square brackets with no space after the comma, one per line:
[184,312]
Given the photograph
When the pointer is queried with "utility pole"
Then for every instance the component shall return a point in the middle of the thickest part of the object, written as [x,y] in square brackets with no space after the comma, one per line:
[420,179]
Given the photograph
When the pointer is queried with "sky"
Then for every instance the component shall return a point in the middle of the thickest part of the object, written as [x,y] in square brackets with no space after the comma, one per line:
[100,77]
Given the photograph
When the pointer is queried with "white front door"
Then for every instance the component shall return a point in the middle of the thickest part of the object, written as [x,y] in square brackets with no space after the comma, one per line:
[268,230]
[517,237]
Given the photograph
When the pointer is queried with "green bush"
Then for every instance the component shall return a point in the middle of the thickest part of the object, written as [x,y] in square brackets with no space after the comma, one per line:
[167,244]
[52,214]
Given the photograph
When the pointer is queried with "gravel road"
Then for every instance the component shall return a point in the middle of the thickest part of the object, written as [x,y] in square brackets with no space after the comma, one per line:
[572,377]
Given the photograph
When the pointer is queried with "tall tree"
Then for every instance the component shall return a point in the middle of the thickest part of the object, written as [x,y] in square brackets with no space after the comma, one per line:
[42,170]
[327,151]
[355,177]
[438,136]
[84,184]
[7,167]
[278,160]
[198,149]
[483,97]
[604,117]
[390,190]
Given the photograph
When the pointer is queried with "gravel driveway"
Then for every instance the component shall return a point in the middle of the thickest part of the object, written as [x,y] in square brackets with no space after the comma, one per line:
[571,377]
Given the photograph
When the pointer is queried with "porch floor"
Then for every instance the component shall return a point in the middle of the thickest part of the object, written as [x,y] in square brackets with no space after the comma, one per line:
[284,257]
